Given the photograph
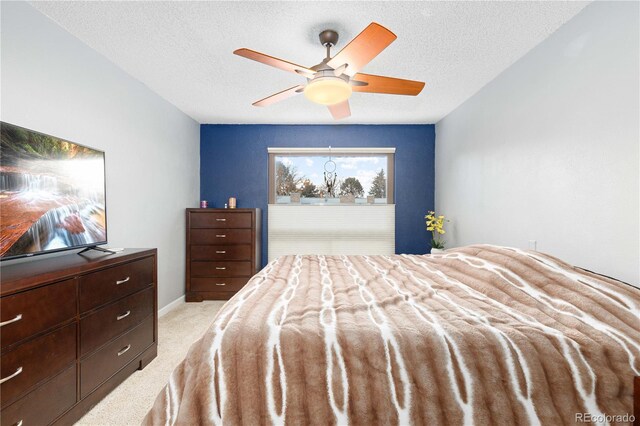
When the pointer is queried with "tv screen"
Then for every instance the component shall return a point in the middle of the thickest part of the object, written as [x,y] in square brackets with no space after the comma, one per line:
[52,194]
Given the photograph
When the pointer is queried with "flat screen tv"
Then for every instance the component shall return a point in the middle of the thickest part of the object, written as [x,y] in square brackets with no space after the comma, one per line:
[52,194]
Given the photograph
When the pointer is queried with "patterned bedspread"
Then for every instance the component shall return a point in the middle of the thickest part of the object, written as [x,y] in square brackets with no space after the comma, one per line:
[478,335]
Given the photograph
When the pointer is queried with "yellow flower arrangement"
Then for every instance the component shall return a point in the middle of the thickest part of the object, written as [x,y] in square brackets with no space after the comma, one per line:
[435,224]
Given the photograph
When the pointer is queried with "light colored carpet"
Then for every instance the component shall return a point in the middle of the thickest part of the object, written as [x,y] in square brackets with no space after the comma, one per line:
[177,330]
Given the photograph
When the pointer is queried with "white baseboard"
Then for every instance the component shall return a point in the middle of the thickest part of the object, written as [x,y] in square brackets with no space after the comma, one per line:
[171,306]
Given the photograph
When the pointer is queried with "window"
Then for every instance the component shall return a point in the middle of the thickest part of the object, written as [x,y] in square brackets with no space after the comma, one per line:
[331,176]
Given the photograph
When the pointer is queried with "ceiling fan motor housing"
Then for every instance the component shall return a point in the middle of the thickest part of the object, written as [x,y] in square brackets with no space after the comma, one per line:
[328,38]
[328,73]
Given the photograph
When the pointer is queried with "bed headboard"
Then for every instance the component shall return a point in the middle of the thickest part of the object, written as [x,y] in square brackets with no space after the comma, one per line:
[338,229]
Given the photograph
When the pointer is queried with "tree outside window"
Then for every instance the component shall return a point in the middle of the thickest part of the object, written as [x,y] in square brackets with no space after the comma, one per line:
[379,185]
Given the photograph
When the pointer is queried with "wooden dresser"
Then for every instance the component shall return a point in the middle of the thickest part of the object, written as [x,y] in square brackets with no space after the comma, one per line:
[223,251]
[73,327]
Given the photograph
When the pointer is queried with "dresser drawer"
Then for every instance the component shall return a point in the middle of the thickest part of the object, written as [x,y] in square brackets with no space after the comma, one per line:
[103,364]
[220,236]
[220,220]
[101,287]
[218,284]
[220,269]
[239,252]
[34,311]
[45,404]
[32,362]
[112,320]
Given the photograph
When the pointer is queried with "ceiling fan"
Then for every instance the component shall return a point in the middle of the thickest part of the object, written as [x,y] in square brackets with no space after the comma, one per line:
[332,81]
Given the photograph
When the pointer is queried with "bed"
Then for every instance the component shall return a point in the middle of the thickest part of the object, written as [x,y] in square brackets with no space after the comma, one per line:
[477,335]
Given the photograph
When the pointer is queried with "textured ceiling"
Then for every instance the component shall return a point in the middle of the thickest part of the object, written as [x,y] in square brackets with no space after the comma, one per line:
[183,51]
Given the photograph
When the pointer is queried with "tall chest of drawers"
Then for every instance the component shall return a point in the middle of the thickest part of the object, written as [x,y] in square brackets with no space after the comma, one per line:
[223,251]
[72,328]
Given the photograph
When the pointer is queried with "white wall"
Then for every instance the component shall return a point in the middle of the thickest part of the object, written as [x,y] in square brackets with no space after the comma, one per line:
[548,151]
[53,83]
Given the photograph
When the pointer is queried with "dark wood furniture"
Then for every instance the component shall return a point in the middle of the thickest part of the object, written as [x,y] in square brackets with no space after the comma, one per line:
[73,327]
[223,251]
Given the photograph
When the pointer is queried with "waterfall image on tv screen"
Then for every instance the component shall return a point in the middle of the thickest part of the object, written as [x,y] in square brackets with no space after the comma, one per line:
[52,194]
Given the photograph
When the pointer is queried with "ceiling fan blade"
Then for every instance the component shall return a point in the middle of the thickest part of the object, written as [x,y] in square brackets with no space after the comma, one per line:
[340,110]
[280,96]
[362,49]
[274,62]
[388,85]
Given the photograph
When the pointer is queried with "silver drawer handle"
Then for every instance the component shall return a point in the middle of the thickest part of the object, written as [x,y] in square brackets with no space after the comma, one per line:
[221,268]
[18,371]
[19,423]
[221,236]
[123,350]
[221,283]
[221,220]
[17,318]
[123,281]
[221,251]
[126,314]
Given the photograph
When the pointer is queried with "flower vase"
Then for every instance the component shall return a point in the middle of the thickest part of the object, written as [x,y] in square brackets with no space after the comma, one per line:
[436,250]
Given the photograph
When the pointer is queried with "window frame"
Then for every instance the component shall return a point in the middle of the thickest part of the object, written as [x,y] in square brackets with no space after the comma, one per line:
[388,152]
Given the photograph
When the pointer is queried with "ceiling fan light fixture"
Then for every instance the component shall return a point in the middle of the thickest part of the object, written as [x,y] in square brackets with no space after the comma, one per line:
[328,90]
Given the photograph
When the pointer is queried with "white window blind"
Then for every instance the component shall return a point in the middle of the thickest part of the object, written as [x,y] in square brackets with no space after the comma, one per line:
[331,230]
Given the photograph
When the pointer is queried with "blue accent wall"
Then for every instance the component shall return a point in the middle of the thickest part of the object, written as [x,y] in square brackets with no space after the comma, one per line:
[234,162]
